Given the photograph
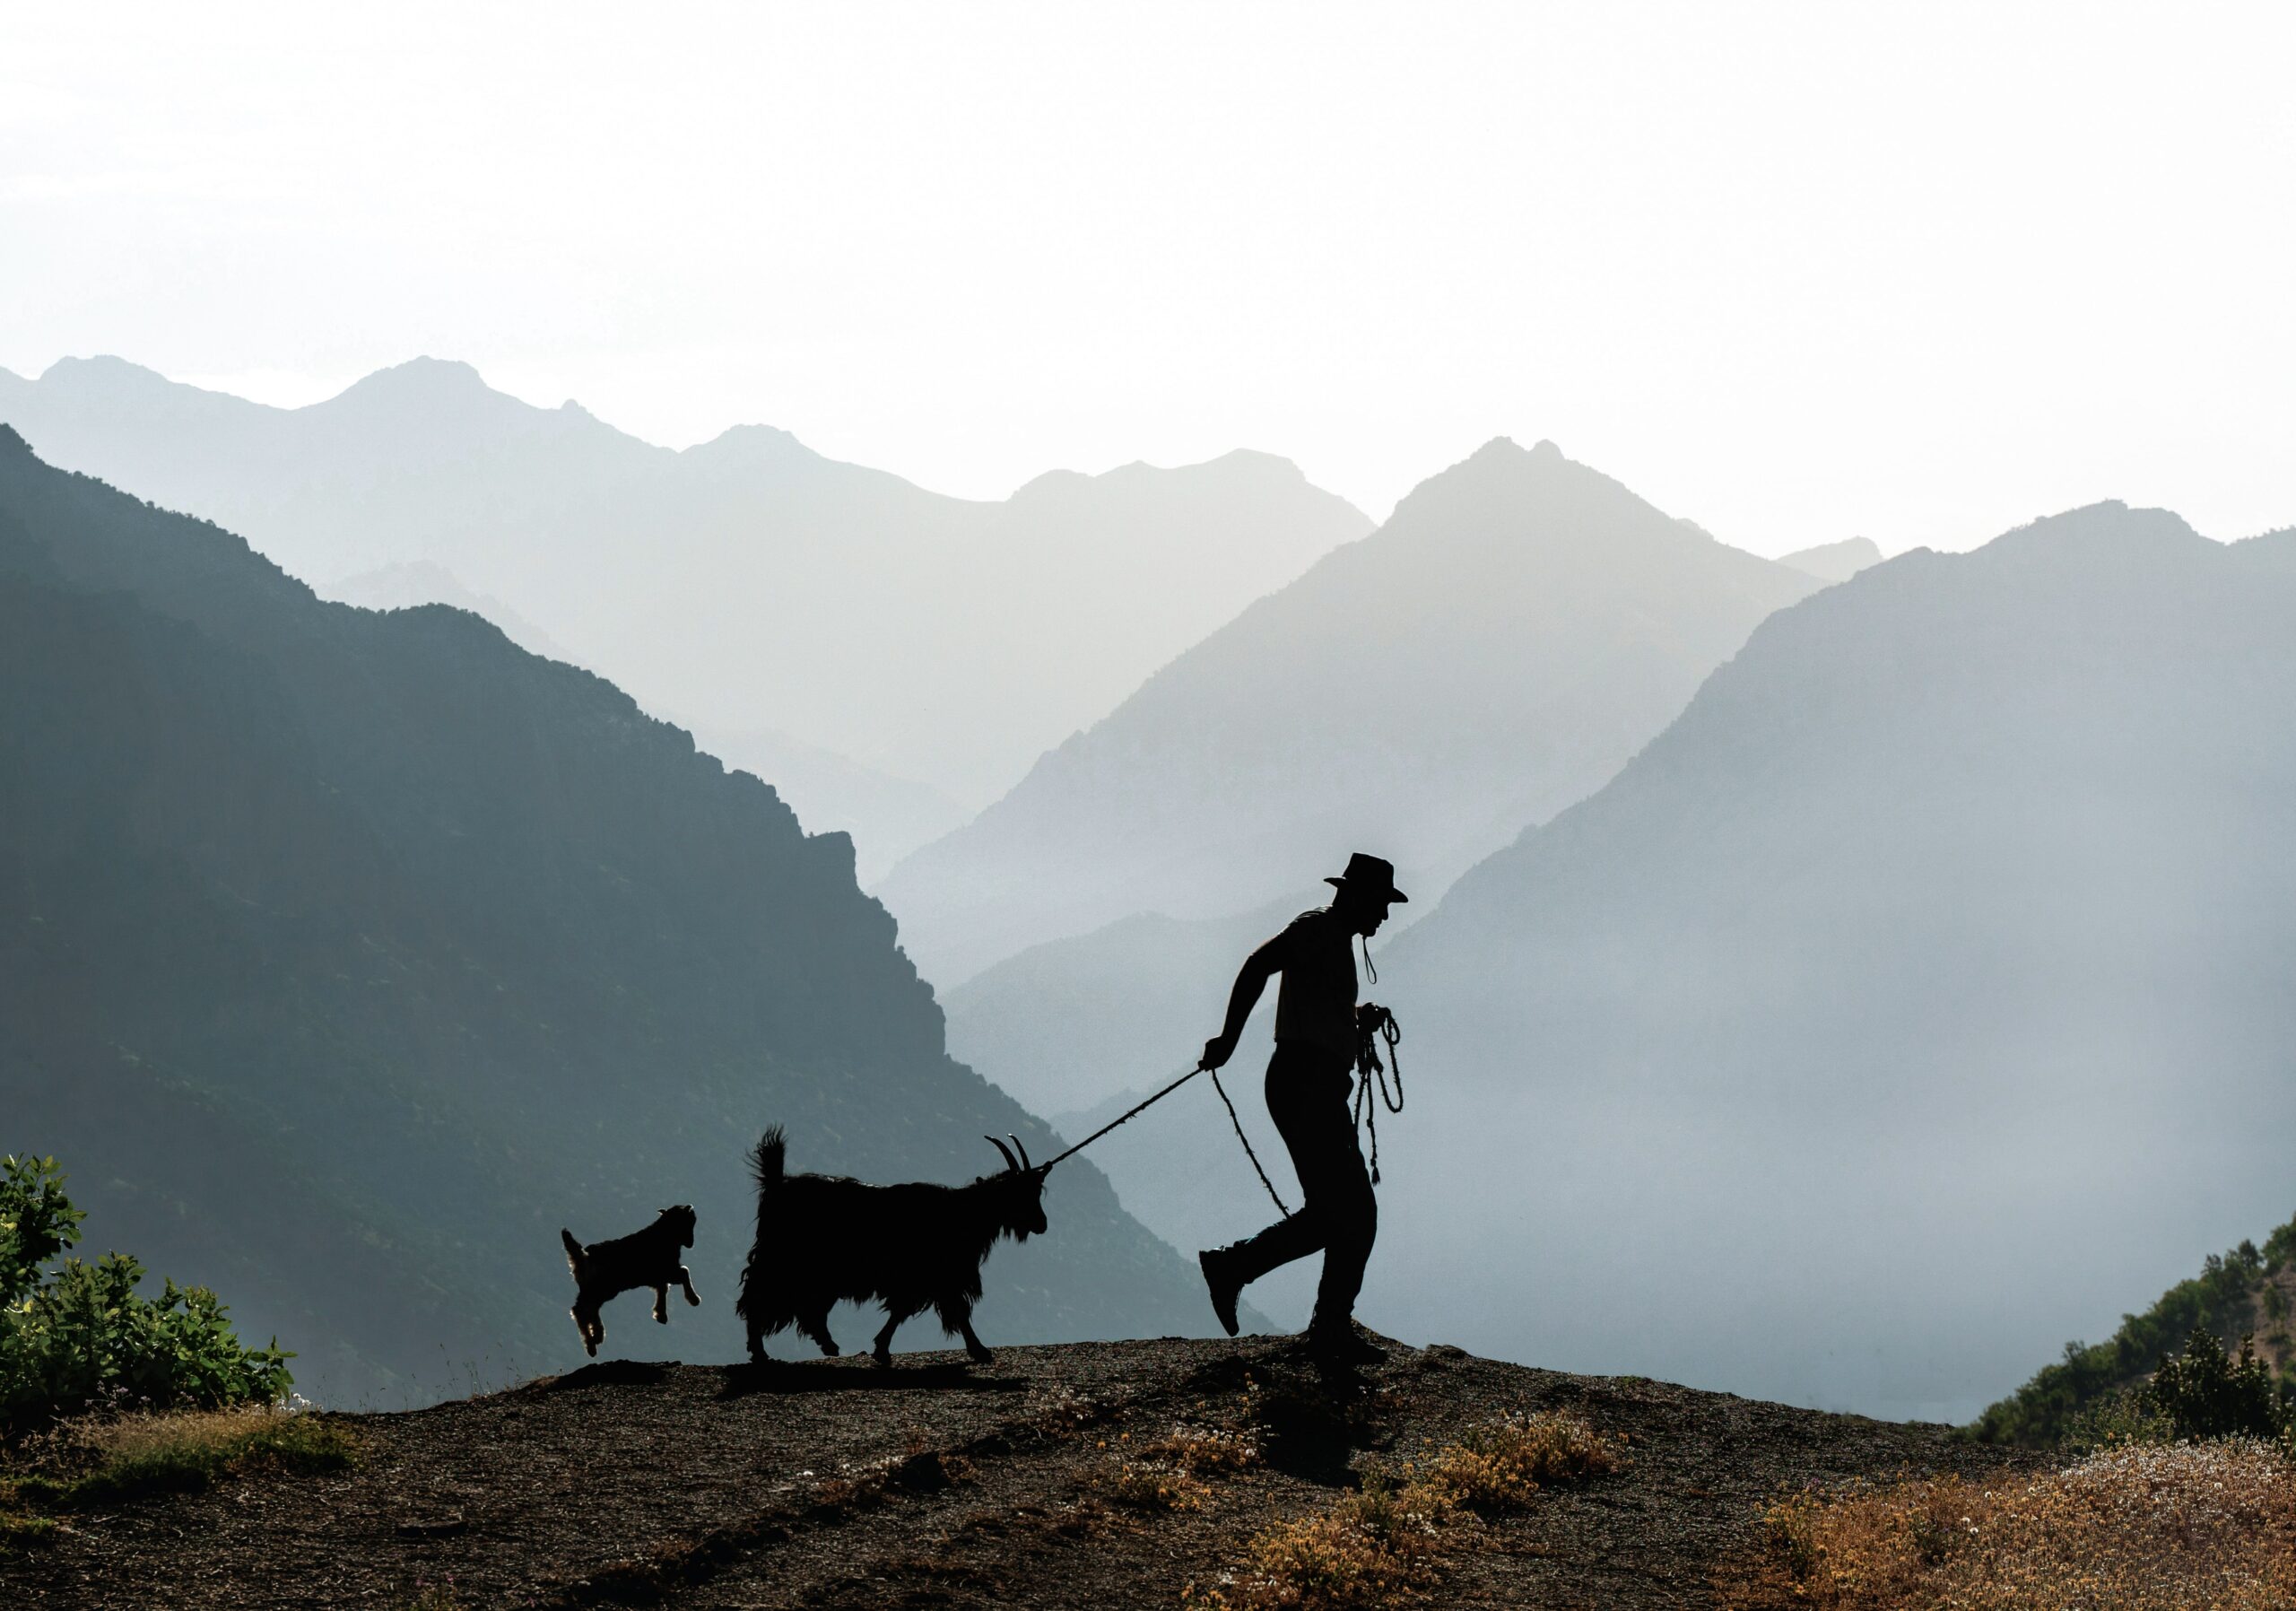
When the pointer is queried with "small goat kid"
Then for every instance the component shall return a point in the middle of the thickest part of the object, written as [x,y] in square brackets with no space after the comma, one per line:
[647,1258]
[911,1246]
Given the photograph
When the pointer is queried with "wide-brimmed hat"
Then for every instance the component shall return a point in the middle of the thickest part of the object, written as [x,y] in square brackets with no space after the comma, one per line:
[1376,876]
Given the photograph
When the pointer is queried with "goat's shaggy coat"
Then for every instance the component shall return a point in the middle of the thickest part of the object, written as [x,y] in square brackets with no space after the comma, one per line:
[647,1258]
[912,1246]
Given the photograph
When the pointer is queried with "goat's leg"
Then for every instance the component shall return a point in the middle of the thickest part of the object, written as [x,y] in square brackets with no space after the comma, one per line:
[593,1328]
[816,1326]
[883,1350]
[685,1279]
[959,1320]
[662,1302]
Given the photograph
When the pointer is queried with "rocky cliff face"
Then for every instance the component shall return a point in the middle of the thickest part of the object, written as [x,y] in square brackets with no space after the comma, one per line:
[343,957]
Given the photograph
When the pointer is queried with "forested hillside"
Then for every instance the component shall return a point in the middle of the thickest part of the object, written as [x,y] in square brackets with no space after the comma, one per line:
[345,956]
[2243,1294]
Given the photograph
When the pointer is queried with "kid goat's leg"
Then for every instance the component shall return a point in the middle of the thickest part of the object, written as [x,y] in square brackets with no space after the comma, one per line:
[685,1279]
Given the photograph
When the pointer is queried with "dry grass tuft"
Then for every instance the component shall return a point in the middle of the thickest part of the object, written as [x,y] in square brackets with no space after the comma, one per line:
[1502,1467]
[1148,1486]
[2188,1527]
[1198,1449]
[100,1460]
[1379,1547]
[1370,1550]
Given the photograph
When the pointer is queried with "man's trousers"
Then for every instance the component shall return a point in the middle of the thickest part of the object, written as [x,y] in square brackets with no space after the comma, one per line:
[1307,1092]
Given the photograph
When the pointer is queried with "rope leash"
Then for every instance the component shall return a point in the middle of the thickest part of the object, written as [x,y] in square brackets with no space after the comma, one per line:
[1375,1024]
[1247,1140]
[1141,1107]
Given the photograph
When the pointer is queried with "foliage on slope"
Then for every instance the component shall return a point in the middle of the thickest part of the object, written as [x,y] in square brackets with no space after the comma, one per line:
[2231,1297]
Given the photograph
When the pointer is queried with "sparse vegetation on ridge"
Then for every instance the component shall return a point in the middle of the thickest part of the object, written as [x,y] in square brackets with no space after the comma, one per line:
[2234,1296]
[1380,1543]
[77,1337]
[93,1462]
[2188,1527]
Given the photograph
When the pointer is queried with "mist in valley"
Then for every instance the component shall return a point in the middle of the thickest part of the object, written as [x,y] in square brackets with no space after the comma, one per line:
[1777,526]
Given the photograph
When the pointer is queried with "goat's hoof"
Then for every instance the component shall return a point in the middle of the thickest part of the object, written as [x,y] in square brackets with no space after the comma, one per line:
[693,1298]
[980,1356]
[882,1359]
[662,1317]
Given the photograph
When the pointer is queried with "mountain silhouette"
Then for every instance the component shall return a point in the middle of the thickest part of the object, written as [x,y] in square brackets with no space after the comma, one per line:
[1922,988]
[345,956]
[748,583]
[1835,561]
[1498,650]
[407,586]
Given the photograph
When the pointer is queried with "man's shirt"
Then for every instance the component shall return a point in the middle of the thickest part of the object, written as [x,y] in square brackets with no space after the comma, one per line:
[1315,1002]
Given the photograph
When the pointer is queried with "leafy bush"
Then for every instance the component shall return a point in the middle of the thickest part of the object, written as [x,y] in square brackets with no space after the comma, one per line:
[2204,1392]
[78,1336]
[2221,1298]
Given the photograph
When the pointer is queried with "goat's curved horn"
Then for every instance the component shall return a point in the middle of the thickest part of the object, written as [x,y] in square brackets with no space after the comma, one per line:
[1018,1148]
[1009,1161]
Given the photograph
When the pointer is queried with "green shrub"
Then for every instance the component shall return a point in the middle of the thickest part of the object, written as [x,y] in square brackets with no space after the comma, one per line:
[2204,1392]
[2118,1419]
[77,1336]
[2221,1298]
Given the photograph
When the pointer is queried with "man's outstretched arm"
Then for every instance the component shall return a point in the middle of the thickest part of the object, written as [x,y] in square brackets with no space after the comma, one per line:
[1251,978]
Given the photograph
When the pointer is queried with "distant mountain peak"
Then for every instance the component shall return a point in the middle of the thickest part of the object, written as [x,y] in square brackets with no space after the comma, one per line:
[2107,525]
[103,371]
[425,376]
[755,445]
[1835,561]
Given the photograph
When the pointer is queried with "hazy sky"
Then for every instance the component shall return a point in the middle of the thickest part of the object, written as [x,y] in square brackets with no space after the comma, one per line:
[1921,272]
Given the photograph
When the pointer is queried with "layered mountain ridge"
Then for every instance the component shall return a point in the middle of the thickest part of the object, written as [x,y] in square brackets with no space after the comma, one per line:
[748,583]
[1921,986]
[1519,629]
[344,957]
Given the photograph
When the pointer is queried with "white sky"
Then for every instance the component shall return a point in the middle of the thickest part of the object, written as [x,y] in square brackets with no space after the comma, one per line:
[1919,271]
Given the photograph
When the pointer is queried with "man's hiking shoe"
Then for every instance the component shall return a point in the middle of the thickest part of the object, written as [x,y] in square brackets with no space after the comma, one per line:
[1341,1344]
[1224,1288]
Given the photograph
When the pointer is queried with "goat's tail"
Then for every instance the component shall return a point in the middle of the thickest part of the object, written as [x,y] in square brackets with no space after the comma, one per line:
[767,1162]
[574,1254]
[768,1166]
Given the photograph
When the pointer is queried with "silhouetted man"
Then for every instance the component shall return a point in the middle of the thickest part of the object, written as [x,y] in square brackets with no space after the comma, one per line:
[1308,1081]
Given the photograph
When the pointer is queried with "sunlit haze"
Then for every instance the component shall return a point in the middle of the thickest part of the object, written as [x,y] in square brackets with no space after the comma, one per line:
[1797,272]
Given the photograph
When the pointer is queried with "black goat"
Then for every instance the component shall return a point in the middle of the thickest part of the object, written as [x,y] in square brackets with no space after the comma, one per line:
[647,1258]
[912,1246]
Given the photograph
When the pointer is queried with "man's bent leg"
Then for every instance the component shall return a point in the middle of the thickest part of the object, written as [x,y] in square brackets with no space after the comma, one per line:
[1302,1090]
[1321,1136]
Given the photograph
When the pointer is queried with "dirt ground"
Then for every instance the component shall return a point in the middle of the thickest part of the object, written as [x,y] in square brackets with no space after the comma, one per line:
[831,1483]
